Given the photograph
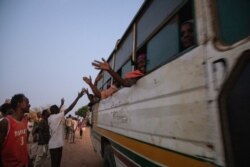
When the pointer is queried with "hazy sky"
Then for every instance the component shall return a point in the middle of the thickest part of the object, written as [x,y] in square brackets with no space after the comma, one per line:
[46,46]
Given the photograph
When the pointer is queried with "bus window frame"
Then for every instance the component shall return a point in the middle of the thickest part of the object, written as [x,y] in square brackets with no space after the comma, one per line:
[160,27]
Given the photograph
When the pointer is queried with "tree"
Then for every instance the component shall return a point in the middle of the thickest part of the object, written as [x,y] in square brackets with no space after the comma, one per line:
[82,111]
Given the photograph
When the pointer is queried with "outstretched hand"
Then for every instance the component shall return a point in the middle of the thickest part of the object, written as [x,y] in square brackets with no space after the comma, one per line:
[86,90]
[101,65]
[80,94]
[87,80]
[62,101]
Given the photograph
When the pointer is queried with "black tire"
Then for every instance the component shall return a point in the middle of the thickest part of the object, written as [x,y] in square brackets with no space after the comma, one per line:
[109,160]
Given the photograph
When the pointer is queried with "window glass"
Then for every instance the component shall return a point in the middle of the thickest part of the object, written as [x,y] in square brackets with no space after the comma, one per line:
[126,68]
[125,50]
[158,11]
[163,45]
[99,84]
[107,84]
[234,20]
[106,76]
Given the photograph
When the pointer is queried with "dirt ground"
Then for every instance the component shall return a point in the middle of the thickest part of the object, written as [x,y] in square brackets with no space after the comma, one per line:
[80,153]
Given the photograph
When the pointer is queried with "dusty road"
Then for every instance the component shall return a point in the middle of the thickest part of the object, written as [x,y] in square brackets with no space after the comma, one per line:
[80,153]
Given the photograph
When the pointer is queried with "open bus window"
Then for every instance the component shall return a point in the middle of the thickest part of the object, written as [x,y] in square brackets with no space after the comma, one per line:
[186,34]
[186,26]
[141,51]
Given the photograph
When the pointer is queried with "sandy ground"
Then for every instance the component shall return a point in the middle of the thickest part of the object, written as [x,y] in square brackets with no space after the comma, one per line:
[80,153]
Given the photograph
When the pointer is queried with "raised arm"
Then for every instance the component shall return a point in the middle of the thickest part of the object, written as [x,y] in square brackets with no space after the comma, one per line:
[80,94]
[62,102]
[87,92]
[95,90]
[91,97]
[104,65]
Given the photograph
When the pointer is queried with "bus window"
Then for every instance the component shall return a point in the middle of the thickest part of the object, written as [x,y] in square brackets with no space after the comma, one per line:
[155,15]
[107,84]
[124,52]
[106,76]
[234,20]
[163,45]
[167,43]
[99,83]
[127,67]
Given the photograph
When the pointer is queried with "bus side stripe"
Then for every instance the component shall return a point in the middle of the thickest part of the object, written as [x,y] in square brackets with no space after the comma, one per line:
[151,152]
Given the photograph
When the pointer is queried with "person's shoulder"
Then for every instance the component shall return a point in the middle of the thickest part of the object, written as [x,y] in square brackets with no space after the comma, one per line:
[4,123]
[59,115]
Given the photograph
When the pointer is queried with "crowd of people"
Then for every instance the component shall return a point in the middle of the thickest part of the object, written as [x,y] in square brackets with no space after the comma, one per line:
[28,138]
[45,132]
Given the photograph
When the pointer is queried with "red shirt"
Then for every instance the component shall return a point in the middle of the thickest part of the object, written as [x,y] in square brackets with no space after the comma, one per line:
[134,74]
[14,152]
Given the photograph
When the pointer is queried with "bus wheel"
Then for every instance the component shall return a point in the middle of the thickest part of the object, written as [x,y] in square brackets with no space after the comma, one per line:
[109,160]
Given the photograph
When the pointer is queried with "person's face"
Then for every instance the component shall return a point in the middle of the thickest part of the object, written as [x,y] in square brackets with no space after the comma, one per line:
[141,64]
[24,105]
[187,39]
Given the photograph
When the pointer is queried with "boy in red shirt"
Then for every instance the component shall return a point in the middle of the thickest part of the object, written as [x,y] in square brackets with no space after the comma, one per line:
[13,136]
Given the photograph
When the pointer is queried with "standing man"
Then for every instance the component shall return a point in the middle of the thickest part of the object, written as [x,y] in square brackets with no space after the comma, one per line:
[68,126]
[55,122]
[43,130]
[13,136]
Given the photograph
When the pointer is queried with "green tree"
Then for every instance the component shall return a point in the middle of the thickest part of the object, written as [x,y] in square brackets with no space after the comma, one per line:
[82,111]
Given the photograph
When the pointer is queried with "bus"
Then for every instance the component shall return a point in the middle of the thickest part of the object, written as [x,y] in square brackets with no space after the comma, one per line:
[191,108]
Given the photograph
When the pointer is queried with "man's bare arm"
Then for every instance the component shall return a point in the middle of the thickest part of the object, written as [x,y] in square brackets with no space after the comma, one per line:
[95,90]
[3,129]
[104,65]
[80,94]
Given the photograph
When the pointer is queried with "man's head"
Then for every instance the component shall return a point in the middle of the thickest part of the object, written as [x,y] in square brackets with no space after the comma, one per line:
[19,101]
[54,109]
[141,62]
[187,36]
[45,113]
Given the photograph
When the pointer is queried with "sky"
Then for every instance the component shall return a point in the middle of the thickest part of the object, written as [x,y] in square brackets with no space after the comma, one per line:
[47,46]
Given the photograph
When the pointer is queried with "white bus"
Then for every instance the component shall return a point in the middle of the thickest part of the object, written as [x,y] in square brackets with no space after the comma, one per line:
[192,107]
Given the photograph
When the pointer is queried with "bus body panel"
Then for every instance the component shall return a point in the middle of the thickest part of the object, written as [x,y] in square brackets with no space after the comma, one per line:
[171,116]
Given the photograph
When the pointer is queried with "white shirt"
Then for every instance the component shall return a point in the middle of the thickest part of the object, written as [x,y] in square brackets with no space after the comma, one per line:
[55,122]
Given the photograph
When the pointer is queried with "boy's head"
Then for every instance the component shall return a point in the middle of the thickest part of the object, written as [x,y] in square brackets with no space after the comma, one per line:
[54,109]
